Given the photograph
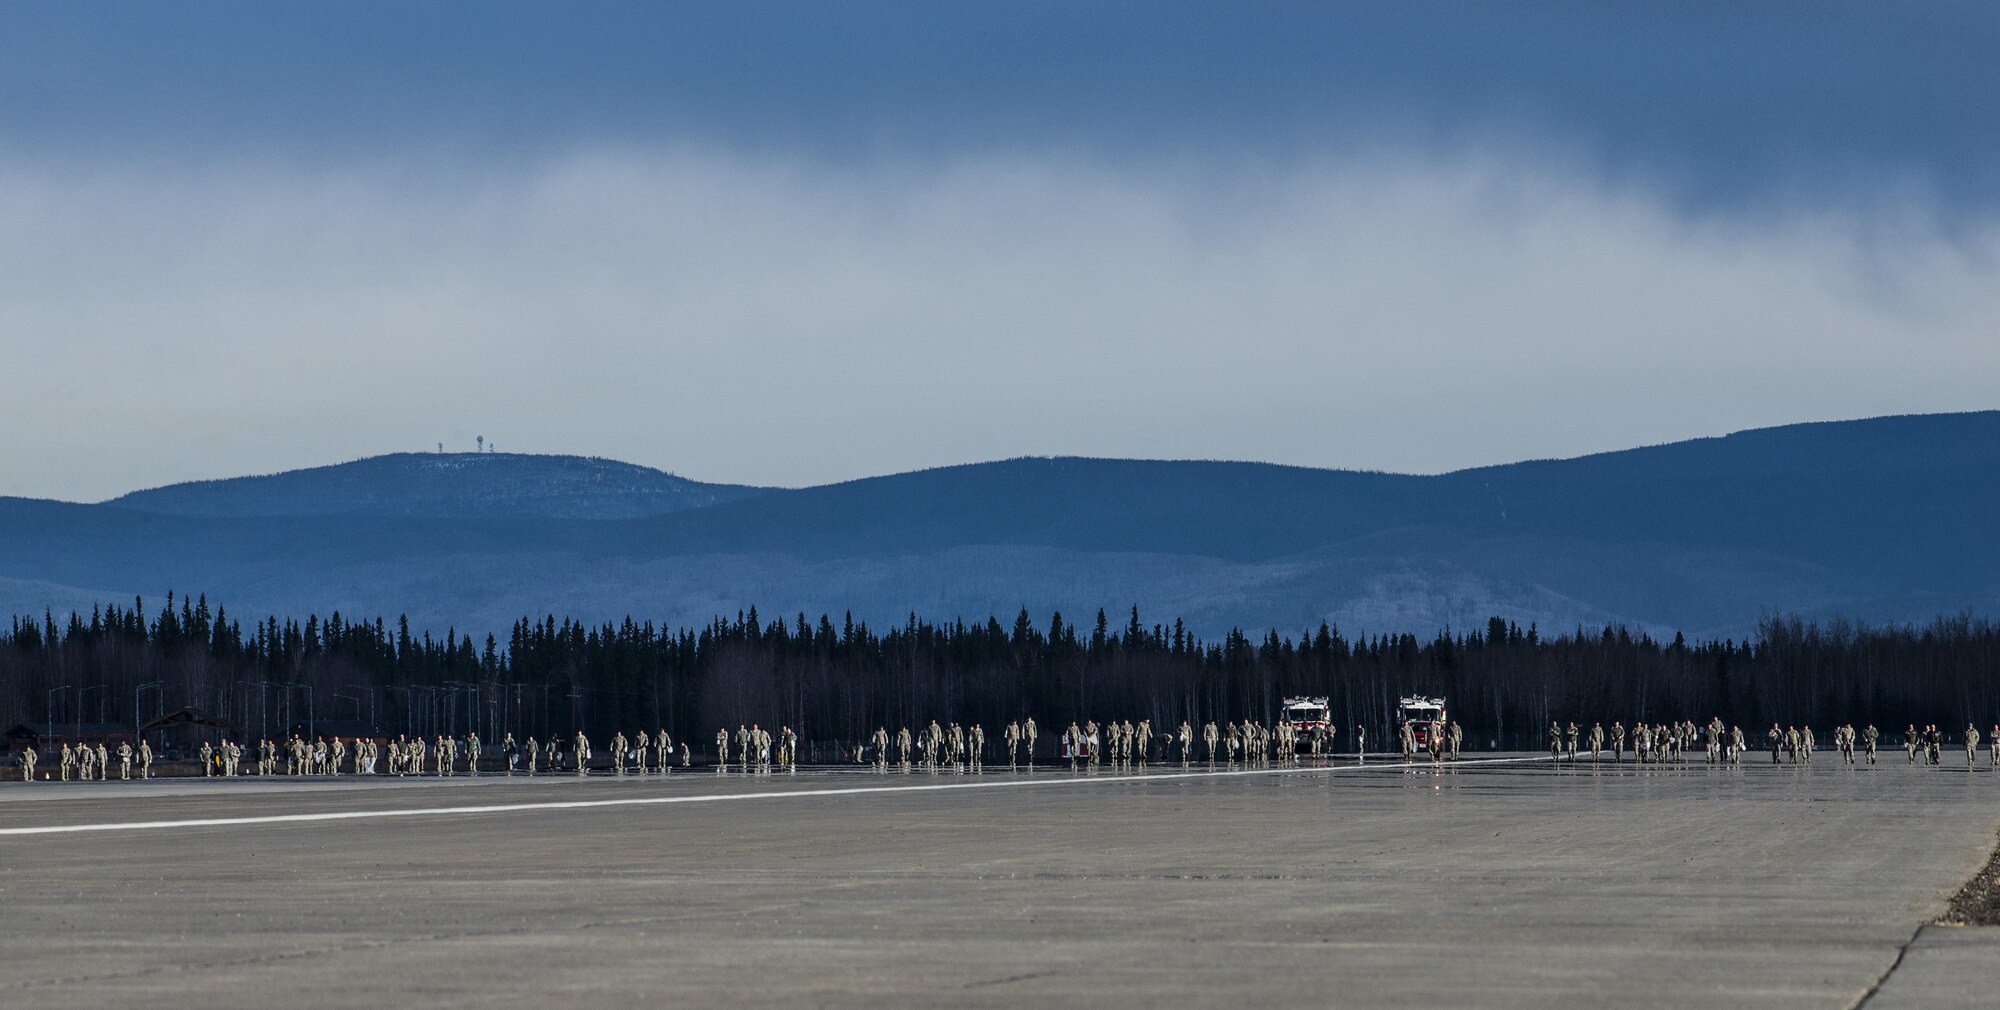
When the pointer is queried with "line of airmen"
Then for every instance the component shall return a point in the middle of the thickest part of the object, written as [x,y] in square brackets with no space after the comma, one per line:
[1443,740]
[756,747]
[406,756]
[1087,744]
[85,762]
[1726,745]
[1929,744]
[1650,742]
[639,755]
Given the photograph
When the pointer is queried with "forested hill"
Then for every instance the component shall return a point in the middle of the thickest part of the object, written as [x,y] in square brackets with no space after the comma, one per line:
[1891,519]
[462,485]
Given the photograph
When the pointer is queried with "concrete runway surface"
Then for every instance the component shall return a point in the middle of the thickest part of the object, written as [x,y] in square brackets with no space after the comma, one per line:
[1497,884]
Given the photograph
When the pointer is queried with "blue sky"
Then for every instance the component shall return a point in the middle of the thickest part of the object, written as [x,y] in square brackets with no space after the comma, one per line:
[789,243]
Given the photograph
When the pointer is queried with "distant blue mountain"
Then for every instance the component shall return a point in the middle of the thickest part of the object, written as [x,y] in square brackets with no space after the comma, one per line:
[461,485]
[1888,519]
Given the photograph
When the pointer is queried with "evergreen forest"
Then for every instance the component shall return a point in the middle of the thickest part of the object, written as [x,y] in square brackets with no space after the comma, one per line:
[834,680]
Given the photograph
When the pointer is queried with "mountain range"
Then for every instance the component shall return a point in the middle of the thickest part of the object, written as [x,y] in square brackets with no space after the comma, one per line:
[1888,519]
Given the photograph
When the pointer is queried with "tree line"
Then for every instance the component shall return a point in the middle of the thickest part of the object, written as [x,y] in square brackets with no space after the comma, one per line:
[835,682]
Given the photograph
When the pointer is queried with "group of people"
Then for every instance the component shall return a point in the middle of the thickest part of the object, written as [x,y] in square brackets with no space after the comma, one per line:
[1720,744]
[1441,739]
[1120,743]
[85,762]
[1649,742]
[756,747]
[637,755]
[361,756]
[1929,743]
[443,756]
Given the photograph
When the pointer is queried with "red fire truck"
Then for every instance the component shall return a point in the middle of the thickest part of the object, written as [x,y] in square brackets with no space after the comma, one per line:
[1422,714]
[1307,716]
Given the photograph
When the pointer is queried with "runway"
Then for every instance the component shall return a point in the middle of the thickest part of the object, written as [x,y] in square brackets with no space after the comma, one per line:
[1510,883]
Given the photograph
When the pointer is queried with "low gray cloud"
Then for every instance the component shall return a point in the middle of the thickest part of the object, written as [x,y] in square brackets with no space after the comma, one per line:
[734,317]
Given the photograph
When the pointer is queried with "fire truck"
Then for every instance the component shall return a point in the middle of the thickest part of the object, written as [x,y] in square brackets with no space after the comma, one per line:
[1422,714]
[1308,716]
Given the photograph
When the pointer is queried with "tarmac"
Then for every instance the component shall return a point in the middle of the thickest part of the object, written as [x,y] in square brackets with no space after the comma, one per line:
[1503,882]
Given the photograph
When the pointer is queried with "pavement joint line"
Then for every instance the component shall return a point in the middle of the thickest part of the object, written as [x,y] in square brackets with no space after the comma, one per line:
[1902,951]
[633,801]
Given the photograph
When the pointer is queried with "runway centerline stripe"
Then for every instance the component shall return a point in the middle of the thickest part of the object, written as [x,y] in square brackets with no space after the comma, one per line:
[636,801]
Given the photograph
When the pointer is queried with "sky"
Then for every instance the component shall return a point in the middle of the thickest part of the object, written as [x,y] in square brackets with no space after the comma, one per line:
[792,243]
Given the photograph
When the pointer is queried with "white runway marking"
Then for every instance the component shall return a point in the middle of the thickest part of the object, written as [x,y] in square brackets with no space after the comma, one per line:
[1390,764]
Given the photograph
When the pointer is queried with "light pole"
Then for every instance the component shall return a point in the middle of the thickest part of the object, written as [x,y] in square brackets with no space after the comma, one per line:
[472,709]
[371,706]
[136,692]
[56,690]
[246,685]
[409,700]
[355,698]
[307,688]
[264,710]
[430,708]
[79,706]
